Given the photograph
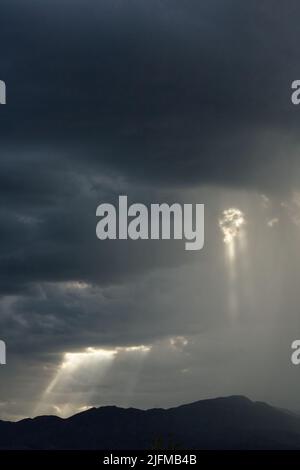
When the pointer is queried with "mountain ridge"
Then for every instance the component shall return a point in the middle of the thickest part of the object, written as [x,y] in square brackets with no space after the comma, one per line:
[233,422]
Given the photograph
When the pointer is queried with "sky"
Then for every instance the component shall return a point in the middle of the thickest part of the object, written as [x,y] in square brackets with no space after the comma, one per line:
[164,101]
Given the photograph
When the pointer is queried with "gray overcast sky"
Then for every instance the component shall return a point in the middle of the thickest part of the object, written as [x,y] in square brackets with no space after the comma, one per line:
[163,101]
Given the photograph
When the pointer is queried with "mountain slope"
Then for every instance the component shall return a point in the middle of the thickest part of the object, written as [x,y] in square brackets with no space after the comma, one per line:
[222,423]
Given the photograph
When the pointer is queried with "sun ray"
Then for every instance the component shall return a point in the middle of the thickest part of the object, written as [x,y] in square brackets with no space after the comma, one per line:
[68,376]
[232,224]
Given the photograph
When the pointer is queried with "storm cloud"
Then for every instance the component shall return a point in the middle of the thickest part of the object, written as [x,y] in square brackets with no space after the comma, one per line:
[164,101]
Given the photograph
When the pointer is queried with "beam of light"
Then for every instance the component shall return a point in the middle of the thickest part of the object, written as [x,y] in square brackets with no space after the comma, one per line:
[133,358]
[231,224]
[84,370]
[73,360]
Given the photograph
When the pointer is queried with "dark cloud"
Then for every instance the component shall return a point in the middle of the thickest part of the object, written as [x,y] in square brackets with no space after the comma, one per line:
[161,91]
[156,95]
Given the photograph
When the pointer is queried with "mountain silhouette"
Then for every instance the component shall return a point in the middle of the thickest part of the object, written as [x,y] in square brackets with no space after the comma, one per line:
[222,423]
